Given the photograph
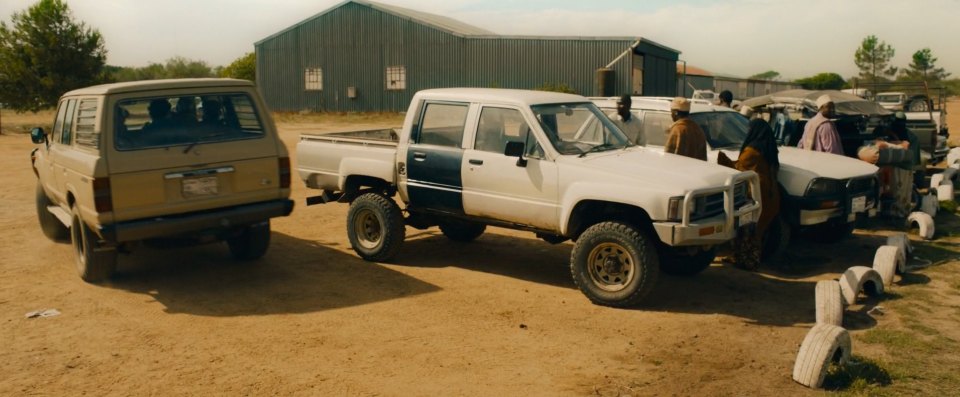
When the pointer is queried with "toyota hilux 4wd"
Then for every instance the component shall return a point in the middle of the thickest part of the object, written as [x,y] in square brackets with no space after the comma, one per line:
[131,162]
[466,158]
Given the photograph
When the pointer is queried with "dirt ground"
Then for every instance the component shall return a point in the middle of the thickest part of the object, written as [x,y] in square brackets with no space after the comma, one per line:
[499,316]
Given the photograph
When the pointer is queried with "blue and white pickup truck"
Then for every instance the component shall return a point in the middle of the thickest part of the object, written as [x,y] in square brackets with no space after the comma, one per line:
[466,158]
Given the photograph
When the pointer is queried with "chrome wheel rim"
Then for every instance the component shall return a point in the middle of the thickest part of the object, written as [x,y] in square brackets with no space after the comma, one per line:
[611,267]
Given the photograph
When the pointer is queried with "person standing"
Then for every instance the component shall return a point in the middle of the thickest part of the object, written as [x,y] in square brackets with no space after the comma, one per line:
[759,154]
[685,138]
[726,99]
[628,124]
[820,134]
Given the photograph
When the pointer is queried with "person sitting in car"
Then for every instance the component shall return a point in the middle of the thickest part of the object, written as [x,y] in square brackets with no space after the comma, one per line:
[159,110]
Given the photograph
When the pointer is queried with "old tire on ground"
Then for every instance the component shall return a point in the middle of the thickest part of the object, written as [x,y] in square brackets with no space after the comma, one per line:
[776,240]
[680,261]
[614,264]
[857,279]
[251,243]
[886,262]
[462,231]
[94,264]
[923,222]
[930,205]
[49,224]
[829,303]
[375,227]
[901,240]
[823,345]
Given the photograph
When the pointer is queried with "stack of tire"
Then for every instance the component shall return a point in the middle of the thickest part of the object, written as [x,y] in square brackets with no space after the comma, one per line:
[828,342]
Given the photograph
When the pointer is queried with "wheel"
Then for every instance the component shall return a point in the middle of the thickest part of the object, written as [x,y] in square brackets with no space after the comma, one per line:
[614,264]
[462,231]
[918,105]
[49,224]
[251,243]
[94,264]
[375,227]
[685,261]
[776,240]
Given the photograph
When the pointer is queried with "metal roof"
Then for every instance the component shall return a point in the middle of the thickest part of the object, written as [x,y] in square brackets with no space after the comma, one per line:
[439,22]
[144,85]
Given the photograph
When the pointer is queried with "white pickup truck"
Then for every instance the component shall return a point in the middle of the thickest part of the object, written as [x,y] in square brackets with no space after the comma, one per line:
[818,190]
[467,158]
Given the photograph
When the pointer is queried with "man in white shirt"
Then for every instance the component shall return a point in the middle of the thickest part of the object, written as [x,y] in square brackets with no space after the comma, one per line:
[628,124]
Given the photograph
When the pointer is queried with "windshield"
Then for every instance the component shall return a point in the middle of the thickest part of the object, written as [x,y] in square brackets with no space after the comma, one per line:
[576,128]
[888,98]
[722,129]
[185,119]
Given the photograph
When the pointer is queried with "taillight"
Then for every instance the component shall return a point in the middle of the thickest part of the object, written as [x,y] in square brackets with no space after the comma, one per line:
[284,172]
[101,195]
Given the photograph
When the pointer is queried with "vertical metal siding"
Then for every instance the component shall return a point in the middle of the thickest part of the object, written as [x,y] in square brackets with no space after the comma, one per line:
[354,44]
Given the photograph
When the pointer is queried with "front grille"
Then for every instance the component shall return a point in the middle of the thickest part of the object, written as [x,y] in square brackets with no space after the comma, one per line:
[712,205]
[859,186]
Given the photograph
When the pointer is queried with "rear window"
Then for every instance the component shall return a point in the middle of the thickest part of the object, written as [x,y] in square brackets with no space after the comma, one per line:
[163,121]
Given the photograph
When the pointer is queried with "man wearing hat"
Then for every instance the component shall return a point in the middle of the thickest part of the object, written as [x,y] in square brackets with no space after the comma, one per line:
[628,124]
[686,138]
[820,134]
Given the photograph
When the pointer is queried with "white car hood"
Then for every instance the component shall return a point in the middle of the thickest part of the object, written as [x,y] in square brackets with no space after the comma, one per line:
[652,166]
[818,164]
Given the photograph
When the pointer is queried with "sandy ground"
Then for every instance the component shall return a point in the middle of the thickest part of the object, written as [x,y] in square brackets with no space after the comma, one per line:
[499,316]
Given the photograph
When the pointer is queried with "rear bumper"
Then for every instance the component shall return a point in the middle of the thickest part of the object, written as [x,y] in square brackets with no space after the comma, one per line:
[173,225]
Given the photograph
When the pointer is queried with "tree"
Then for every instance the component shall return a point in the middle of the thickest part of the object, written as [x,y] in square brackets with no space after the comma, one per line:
[873,59]
[822,81]
[44,53]
[923,67]
[174,68]
[768,75]
[244,68]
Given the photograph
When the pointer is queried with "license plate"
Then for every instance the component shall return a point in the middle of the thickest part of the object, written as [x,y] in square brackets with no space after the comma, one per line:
[746,219]
[859,204]
[205,186]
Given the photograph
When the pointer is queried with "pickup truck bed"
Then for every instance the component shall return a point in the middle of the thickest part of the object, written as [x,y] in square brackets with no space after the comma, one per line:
[374,151]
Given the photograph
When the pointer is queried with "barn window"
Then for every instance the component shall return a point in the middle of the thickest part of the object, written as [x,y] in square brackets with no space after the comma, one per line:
[313,79]
[396,78]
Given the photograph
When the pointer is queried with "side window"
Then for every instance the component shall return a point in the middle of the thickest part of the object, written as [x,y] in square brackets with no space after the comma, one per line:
[66,135]
[442,124]
[58,123]
[313,79]
[87,133]
[656,125]
[498,126]
[396,78]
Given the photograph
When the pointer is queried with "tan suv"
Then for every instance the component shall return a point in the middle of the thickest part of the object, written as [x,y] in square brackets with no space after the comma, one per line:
[191,159]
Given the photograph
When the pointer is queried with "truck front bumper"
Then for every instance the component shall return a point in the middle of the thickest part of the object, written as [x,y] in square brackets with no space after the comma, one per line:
[714,230]
[173,225]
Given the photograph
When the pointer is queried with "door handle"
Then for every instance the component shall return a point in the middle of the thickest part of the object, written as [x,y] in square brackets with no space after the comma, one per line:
[476,162]
[419,155]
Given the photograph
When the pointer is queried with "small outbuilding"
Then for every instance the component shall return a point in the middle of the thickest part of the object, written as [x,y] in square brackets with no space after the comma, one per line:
[367,56]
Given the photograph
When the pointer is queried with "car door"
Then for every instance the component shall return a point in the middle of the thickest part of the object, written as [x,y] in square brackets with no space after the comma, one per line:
[60,148]
[495,186]
[434,157]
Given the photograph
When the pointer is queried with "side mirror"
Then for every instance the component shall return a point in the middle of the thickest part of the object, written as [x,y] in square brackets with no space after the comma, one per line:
[37,135]
[515,149]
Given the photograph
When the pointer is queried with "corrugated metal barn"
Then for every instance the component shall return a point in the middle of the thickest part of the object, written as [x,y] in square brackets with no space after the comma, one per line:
[366,56]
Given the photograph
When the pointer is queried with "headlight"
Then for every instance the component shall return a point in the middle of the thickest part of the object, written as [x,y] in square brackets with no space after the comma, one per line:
[824,187]
[675,209]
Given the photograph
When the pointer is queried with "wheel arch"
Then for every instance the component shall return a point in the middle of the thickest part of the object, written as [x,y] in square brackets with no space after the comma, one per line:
[590,212]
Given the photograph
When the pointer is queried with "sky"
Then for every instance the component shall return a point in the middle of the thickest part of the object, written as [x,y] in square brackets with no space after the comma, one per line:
[736,37]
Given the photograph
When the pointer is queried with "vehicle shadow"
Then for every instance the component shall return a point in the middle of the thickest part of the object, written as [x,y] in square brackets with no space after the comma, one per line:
[295,276]
[760,298]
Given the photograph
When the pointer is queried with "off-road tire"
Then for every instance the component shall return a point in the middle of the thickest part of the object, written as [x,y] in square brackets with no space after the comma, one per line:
[611,282]
[94,264]
[824,344]
[375,227]
[251,243]
[676,261]
[462,231]
[49,223]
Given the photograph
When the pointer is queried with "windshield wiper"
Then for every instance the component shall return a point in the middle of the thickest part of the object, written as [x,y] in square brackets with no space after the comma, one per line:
[191,146]
[599,148]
